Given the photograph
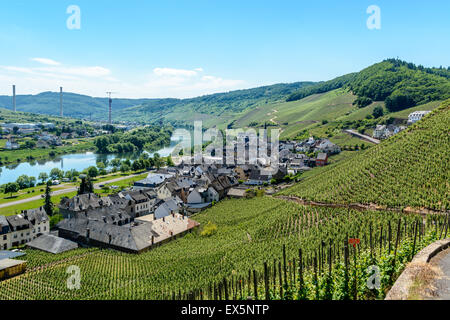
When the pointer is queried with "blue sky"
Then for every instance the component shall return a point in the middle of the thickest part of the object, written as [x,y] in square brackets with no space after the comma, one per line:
[189,48]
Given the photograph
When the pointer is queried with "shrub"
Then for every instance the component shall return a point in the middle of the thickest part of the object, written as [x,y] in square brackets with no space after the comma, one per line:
[209,230]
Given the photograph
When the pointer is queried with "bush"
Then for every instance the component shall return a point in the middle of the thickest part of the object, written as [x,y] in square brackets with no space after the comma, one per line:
[209,230]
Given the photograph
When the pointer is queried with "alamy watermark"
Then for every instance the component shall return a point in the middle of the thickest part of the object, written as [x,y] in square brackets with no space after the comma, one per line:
[74,20]
[374,20]
[229,147]
[74,280]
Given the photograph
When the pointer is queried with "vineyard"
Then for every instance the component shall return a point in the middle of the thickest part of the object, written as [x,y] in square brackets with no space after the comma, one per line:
[410,169]
[231,262]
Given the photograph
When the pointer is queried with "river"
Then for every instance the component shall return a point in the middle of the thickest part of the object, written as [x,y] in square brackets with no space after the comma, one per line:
[77,161]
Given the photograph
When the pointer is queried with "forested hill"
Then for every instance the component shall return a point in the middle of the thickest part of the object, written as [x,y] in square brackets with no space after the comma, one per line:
[410,169]
[400,84]
[75,105]
[150,110]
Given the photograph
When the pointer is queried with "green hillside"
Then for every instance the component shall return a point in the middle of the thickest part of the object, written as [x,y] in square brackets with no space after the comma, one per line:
[410,169]
[399,84]
[218,109]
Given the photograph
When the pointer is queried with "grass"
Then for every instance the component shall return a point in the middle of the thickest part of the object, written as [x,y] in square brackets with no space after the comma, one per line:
[19,155]
[11,210]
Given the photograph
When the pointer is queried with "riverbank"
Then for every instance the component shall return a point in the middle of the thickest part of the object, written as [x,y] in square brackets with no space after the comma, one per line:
[11,157]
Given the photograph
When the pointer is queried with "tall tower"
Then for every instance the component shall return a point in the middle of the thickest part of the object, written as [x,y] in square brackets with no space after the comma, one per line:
[14,97]
[110,106]
[60,101]
[110,110]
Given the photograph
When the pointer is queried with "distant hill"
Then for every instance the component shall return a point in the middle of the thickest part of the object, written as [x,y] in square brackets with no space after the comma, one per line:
[75,105]
[400,84]
[412,168]
[150,110]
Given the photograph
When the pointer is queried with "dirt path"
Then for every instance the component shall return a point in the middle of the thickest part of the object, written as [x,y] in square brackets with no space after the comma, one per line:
[362,136]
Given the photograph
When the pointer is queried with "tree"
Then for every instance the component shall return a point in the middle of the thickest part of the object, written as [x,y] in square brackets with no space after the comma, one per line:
[377,112]
[136,165]
[92,171]
[12,187]
[86,185]
[157,160]
[169,162]
[43,176]
[48,204]
[30,144]
[56,174]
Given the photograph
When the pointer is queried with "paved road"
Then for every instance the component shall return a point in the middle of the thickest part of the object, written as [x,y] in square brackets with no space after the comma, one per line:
[442,261]
[362,136]
[63,191]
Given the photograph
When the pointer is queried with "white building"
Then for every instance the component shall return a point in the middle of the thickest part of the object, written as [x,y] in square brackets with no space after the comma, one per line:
[416,116]
[22,228]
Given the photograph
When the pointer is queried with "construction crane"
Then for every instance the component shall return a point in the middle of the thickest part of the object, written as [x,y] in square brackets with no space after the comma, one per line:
[109,93]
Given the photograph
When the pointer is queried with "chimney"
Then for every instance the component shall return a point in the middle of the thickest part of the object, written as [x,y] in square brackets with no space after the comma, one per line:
[164,219]
[14,97]
[88,233]
[153,240]
[61,101]
[110,238]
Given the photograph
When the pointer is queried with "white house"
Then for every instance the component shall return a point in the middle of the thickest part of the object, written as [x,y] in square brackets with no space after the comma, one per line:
[11,144]
[22,228]
[416,116]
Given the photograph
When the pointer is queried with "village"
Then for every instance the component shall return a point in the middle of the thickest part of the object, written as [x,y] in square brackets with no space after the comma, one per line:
[162,206]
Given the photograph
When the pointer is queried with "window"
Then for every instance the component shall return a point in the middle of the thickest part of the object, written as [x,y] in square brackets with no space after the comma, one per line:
[45,228]
[39,229]
[5,237]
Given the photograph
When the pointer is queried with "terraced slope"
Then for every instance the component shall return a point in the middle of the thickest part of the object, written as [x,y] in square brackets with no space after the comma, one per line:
[411,169]
[249,232]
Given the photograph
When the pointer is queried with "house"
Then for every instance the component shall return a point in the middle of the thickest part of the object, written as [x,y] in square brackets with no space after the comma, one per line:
[416,116]
[195,196]
[81,204]
[153,180]
[386,131]
[321,159]
[328,147]
[381,132]
[10,268]
[212,195]
[139,202]
[168,206]
[11,144]
[22,228]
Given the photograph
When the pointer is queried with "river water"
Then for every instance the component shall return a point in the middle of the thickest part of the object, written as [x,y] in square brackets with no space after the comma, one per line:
[77,161]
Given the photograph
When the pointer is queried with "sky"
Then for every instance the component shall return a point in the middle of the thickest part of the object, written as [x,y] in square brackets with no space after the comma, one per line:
[157,49]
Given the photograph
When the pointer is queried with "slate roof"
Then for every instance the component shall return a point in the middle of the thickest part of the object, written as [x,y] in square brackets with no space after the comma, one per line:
[134,238]
[52,244]
[18,221]
[4,225]
[35,215]
[84,202]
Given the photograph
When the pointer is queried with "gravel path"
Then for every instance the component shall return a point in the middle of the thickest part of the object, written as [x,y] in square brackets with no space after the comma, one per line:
[442,261]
